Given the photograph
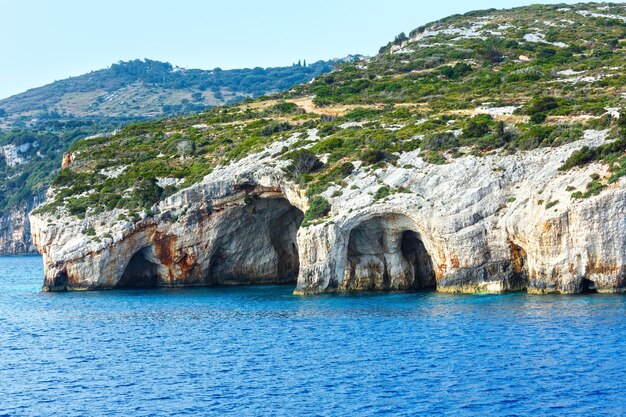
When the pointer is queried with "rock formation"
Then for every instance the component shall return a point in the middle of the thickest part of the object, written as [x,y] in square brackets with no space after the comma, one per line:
[476,224]
[15,238]
[445,162]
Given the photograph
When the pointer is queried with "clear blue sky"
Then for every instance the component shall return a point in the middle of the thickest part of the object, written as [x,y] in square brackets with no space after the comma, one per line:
[45,40]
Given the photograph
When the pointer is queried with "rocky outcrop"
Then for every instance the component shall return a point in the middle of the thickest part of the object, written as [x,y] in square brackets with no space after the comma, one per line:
[14,222]
[237,227]
[68,158]
[476,224]
[15,237]
[13,155]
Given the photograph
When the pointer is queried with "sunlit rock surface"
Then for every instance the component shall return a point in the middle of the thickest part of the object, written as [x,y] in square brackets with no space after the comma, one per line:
[476,224]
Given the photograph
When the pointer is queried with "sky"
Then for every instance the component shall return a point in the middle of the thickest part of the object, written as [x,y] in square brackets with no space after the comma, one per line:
[44,41]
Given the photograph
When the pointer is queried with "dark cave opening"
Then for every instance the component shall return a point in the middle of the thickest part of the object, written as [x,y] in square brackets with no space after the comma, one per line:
[587,286]
[382,256]
[258,244]
[140,271]
[415,253]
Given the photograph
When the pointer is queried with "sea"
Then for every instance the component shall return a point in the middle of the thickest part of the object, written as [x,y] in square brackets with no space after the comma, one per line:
[261,351]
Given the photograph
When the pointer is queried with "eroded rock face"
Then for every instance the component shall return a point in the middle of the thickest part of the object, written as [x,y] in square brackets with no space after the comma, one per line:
[224,243]
[384,253]
[476,224]
[238,227]
[15,238]
[68,158]
[485,224]
[257,243]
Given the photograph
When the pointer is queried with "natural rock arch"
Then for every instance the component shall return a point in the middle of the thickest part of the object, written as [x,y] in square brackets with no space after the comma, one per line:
[256,243]
[386,252]
[142,271]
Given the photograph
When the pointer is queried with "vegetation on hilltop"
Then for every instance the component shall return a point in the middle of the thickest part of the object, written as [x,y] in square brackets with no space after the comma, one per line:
[53,117]
[490,81]
[45,147]
[147,88]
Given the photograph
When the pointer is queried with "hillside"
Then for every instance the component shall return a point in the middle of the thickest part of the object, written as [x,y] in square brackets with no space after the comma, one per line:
[520,79]
[488,120]
[144,88]
[37,126]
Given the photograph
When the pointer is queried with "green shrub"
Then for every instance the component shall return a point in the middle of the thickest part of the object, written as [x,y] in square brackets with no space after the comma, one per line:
[594,188]
[285,107]
[586,155]
[319,207]
[274,127]
[490,51]
[439,141]
[478,126]
[538,118]
[374,156]
[542,105]
[551,204]
[303,161]
[435,158]
[524,75]
[335,174]
[459,70]
[382,192]
[361,113]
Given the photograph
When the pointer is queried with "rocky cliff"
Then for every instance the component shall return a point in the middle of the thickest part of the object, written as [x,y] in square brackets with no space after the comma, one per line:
[15,238]
[37,126]
[474,225]
[439,164]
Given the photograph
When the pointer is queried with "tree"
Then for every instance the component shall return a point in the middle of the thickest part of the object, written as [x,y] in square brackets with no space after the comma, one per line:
[478,126]
[490,51]
[303,162]
[400,39]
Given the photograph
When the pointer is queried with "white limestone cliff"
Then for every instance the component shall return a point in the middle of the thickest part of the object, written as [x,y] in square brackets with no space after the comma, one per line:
[476,224]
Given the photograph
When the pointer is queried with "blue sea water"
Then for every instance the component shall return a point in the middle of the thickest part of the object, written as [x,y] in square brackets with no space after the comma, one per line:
[260,351]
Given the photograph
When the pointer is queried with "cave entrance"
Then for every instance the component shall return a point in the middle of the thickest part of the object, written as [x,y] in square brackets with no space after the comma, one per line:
[142,270]
[587,286]
[415,253]
[257,244]
[386,254]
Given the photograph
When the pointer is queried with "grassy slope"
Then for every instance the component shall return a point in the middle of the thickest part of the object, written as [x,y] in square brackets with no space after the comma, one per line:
[104,100]
[424,92]
[150,88]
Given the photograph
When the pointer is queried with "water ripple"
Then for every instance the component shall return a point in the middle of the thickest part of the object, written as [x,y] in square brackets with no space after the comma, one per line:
[261,351]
